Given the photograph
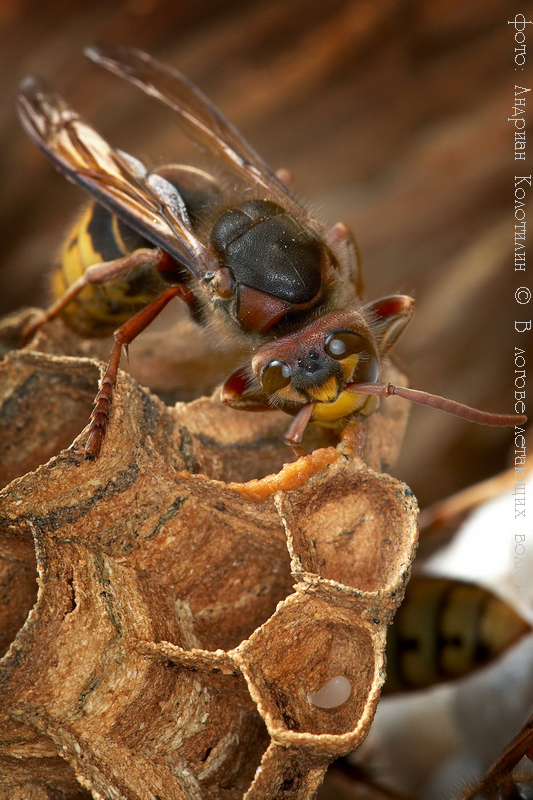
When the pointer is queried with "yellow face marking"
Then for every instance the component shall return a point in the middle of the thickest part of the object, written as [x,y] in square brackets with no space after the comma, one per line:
[346,403]
[325,393]
[289,394]
[348,366]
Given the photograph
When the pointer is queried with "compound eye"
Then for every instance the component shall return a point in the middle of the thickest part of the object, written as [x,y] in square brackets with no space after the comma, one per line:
[276,375]
[344,343]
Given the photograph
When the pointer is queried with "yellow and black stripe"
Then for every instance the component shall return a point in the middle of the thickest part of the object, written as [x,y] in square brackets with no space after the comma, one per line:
[445,629]
[97,237]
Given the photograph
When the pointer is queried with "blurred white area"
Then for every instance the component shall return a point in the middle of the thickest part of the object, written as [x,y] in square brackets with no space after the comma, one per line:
[483,550]
[433,743]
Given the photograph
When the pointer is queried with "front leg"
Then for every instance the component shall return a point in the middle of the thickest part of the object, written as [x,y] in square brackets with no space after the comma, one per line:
[294,435]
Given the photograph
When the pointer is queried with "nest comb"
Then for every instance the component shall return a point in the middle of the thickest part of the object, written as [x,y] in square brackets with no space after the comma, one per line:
[186,617]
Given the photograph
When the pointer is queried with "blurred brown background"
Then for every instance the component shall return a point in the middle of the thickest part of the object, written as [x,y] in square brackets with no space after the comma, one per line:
[392,115]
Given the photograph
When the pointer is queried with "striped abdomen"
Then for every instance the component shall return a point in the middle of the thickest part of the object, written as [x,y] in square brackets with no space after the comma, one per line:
[445,629]
[99,236]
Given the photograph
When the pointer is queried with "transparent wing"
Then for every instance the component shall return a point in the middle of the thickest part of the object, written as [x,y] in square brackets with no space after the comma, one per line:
[202,122]
[111,178]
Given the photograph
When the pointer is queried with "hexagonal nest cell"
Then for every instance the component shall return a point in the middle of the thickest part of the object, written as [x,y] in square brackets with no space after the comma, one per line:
[172,611]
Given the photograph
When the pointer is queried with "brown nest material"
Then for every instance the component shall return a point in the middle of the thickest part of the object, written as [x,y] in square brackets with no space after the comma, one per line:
[186,609]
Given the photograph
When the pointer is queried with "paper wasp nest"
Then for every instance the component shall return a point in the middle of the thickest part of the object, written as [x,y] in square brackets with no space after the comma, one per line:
[185,620]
